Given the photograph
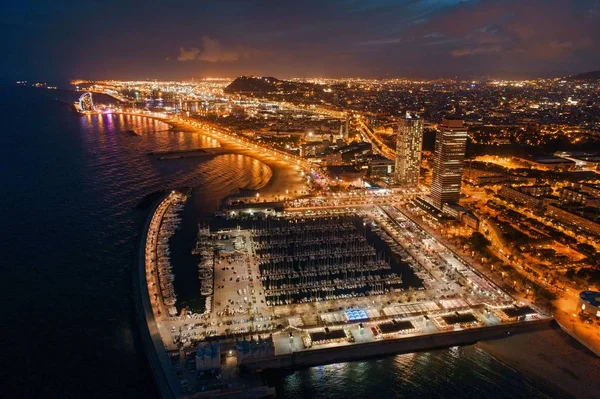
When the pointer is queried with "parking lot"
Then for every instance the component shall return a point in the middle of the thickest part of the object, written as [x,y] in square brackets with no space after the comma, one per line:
[238,294]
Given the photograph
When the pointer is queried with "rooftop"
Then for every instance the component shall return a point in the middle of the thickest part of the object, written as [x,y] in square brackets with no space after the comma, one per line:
[591,297]
[459,318]
[327,335]
[388,328]
[518,311]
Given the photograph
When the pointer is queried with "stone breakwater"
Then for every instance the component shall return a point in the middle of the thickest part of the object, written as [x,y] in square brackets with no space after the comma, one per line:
[166,381]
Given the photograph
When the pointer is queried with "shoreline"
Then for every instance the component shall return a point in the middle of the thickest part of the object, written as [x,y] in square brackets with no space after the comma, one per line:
[549,357]
[284,177]
[534,354]
[280,176]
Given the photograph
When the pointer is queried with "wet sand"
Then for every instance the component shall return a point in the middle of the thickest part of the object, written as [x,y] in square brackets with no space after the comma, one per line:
[550,357]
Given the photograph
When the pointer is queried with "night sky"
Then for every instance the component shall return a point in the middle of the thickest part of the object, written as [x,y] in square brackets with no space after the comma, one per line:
[177,39]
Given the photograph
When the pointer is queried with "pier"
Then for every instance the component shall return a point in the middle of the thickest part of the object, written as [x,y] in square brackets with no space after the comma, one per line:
[145,286]
[194,153]
[163,224]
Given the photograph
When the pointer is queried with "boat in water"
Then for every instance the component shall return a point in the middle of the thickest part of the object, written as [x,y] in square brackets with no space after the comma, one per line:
[206,250]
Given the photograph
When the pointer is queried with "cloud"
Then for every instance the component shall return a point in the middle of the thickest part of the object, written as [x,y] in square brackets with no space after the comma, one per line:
[380,42]
[213,51]
[552,50]
[536,30]
[477,50]
[190,54]
[557,49]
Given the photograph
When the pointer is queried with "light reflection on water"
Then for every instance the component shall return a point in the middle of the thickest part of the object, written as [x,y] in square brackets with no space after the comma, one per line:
[73,186]
[124,163]
[458,372]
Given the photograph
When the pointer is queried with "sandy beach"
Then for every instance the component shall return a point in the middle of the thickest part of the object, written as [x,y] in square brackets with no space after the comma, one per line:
[550,357]
[284,175]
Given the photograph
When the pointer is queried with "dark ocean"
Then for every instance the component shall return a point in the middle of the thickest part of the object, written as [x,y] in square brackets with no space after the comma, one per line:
[70,187]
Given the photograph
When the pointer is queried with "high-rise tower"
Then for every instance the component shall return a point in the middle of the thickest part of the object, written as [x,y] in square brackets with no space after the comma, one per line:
[408,150]
[450,146]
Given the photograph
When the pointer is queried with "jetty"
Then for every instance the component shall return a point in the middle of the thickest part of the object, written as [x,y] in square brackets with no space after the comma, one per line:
[192,153]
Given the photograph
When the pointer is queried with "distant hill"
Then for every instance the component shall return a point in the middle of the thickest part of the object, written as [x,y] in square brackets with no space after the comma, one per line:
[264,85]
[595,75]
[245,84]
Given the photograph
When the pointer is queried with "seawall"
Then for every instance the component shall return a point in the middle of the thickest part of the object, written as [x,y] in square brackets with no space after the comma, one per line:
[314,357]
[166,381]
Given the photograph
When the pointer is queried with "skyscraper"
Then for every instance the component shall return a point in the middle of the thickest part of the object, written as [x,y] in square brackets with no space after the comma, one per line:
[450,146]
[408,150]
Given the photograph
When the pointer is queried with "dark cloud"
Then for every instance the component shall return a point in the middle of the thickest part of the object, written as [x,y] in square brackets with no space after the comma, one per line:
[213,51]
[183,39]
[533,30]
[476,50]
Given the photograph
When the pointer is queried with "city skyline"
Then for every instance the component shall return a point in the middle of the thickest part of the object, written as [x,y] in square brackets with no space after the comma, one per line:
[314,199]
[506,247]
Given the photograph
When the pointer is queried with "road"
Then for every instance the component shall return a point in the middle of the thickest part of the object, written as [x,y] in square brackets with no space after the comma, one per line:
[378,146]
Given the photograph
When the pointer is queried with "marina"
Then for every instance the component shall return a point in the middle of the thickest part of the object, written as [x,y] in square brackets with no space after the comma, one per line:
[86,253]
[158,260]
[319,258]
[206,250]
[298,288]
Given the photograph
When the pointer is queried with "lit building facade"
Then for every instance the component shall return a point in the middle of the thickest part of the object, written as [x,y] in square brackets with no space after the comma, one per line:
[572,219]
[450,146]
[408,149]
[531,196]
